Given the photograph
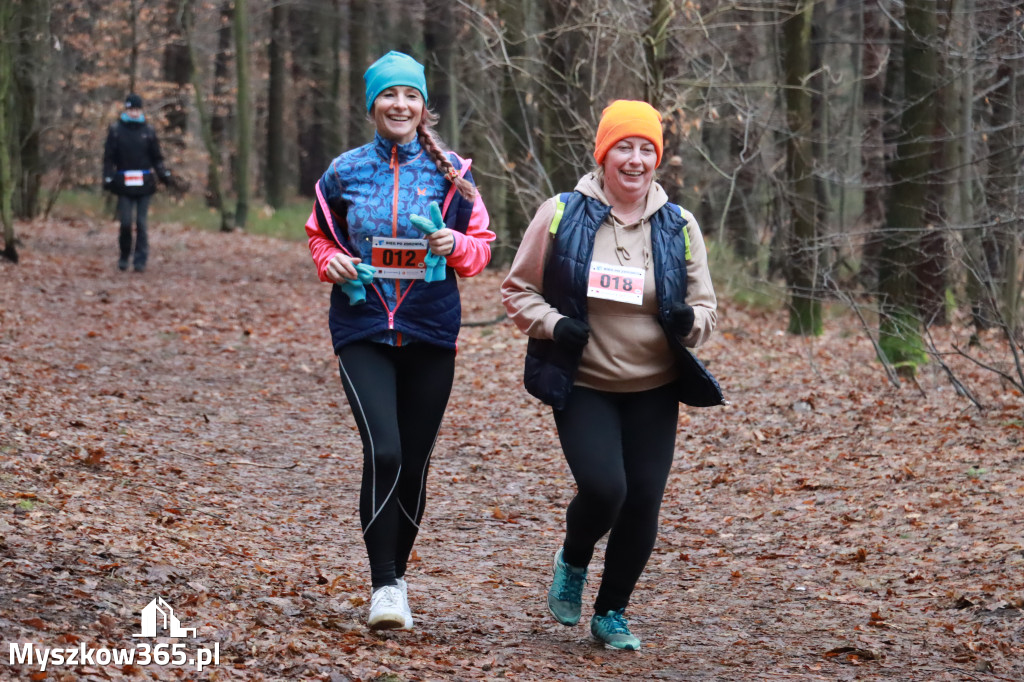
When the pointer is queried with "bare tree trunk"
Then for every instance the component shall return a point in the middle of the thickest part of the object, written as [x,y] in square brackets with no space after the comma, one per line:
[565,92]
[277,171]
[133,35]
[959,204]
[875,64]
[439,28]
[317,34]
[899,325]
[933,268]
[1004,183]
[655,41]
[358,61]
[328,111]
[30,61]
[177,70]
[802,271]
[242,174]
[220,114]
[8,19]
[214,192]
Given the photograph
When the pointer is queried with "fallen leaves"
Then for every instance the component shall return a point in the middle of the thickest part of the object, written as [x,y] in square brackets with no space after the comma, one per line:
[203,451]
[852,655]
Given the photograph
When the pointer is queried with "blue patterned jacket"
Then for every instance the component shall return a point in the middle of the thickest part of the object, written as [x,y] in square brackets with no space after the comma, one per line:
[371,191]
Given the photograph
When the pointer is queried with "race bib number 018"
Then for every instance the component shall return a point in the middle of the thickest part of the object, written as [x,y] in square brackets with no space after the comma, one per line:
[399,258]
[616,283]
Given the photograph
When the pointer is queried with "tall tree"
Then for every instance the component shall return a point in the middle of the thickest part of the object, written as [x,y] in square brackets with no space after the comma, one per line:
[358,60]
[8,17]
[177,70]
[221,112]
[899,325]
[960,152]
[804,248]
[875,63]
[277,172]
[438,30]
[133,48]
[214,190]
[933,267]
[316,30]
[566,104]
[243,187]
[655,44]
[1004,175]
[30,59]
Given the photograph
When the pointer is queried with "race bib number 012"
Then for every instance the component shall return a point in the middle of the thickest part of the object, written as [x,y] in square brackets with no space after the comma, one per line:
[399,258]
[616,283]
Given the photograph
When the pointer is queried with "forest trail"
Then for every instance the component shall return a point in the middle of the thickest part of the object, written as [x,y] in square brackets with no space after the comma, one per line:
[183,434]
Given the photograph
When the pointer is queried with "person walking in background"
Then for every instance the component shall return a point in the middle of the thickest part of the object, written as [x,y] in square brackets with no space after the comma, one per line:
[130,155]
[393,222]
[611,284]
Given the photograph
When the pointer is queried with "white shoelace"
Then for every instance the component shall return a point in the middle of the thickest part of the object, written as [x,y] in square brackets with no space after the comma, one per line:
[388,597]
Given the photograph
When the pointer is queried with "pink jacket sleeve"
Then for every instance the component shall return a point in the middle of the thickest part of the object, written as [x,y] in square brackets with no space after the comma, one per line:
[320,247]
[472,251]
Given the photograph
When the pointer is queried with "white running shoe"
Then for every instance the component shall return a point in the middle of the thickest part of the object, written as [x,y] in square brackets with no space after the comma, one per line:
[388,609]
[403,587]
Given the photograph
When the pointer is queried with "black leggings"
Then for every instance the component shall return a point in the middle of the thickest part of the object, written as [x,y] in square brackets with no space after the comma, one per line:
[619,447]
[398,396]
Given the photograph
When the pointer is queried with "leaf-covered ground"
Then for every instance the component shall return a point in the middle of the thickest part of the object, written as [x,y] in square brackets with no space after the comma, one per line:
[183,434]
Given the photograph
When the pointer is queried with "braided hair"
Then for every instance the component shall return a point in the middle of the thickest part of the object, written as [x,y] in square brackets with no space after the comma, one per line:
[430,142]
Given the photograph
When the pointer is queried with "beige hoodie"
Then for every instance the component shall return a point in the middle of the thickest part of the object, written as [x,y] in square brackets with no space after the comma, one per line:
[627,351]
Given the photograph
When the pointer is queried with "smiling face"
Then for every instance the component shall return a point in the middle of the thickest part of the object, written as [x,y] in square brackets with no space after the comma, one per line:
[397,112]
[629,169]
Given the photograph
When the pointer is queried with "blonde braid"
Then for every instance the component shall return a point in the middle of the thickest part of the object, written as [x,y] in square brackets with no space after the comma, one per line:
[429,142]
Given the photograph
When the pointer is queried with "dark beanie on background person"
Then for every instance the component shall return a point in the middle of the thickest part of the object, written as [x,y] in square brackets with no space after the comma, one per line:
[133,101]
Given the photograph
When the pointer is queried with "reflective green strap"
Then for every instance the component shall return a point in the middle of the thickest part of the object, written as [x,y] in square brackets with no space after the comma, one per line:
[557,218]
[686,238]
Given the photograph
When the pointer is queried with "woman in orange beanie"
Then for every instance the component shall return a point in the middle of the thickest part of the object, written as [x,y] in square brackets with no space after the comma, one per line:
[611,284]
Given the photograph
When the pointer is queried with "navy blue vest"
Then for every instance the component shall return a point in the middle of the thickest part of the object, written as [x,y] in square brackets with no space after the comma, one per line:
[430,311]
[550,369]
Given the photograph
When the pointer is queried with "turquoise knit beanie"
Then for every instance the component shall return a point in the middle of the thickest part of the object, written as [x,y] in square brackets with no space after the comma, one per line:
[394,68]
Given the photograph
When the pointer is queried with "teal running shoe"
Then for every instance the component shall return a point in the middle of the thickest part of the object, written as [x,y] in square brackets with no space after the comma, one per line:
[613,630]
[565,598]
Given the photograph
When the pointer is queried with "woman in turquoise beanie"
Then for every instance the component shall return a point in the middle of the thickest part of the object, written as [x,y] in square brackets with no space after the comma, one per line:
[395,311]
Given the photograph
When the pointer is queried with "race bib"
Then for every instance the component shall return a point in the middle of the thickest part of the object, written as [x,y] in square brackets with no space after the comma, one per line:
[133,178]
[616,283]
[399,257]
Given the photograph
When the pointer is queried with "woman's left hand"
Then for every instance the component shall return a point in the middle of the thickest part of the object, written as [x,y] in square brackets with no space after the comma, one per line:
[442,242]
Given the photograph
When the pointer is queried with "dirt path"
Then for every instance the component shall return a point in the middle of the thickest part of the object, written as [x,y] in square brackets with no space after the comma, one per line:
[183,434]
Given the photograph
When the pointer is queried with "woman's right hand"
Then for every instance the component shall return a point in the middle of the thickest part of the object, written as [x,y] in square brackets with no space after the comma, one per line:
[342,268]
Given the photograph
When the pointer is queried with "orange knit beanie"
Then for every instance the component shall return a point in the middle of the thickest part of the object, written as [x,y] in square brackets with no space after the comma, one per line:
[627,118]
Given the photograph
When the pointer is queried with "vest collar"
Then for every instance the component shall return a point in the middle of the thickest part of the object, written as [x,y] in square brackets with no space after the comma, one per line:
[406,152]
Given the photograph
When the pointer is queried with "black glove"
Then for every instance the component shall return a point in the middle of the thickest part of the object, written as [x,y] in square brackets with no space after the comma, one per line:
[108,183]
[166,177]
[571,334]
[680,319]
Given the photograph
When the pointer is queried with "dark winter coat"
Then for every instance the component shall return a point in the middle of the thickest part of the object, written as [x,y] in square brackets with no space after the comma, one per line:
[130,156]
